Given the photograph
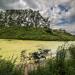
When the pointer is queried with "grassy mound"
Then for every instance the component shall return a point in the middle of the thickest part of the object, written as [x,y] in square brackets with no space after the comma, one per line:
[35,34]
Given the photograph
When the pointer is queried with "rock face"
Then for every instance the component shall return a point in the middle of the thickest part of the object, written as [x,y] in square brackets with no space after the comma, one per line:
[25,18]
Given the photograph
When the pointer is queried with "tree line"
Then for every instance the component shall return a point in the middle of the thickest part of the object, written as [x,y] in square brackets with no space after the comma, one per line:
[26,18]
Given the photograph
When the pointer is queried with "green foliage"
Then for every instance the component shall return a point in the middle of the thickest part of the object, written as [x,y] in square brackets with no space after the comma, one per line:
[34,34]
[8,67]
[29,25]
[27,18]
[72,51]
[71,63]
[59,65]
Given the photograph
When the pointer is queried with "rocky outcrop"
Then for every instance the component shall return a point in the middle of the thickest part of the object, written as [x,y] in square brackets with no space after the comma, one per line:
[26,17]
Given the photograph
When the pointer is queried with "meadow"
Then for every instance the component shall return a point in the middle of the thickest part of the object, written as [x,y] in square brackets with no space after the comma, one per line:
[11,47]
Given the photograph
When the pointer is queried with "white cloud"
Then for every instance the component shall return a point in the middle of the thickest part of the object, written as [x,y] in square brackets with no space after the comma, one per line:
[45,9]
[42,5]
[19,5]
[70,28]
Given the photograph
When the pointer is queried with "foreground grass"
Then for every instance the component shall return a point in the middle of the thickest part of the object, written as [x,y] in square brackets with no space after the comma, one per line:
[60,65]
[8,67]
[25,33]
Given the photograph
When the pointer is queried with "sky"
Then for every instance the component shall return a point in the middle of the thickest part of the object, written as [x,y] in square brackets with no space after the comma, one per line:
[61,12]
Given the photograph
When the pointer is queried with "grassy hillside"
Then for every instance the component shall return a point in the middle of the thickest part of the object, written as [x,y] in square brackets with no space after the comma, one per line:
[26,33]
[29,25]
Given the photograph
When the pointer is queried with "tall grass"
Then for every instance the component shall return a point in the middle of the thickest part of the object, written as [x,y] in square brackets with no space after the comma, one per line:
[60,64]
[8,67]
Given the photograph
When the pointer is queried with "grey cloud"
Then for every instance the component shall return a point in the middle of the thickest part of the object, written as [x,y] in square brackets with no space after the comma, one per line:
[31,3]
[41,5]
[73,8]
[44,7]
[70,28]
[4,3]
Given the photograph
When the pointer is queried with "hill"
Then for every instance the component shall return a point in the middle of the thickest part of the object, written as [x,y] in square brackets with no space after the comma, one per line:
[29,25]
[35,34]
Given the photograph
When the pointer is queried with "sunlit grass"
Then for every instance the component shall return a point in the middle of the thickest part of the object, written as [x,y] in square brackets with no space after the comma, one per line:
[9,48]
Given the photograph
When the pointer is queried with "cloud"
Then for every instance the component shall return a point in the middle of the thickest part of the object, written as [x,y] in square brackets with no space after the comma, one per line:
[42,5]
[70,28]
[35,4]
[61,12]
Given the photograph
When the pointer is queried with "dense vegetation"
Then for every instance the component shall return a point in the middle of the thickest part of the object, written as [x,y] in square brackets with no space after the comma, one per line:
[25,18]
[62,64]
[8,67]
[29,25]
[34,34]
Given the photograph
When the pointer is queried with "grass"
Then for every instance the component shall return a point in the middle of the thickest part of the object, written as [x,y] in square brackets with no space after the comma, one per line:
[34,34]
[8,67]
[59,65]
[9,48]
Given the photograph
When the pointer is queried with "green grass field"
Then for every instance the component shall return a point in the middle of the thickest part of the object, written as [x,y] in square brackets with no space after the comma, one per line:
[9,48]
[42,34]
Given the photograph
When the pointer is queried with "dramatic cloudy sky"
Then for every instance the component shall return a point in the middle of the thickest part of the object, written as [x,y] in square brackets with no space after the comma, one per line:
[61,12]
